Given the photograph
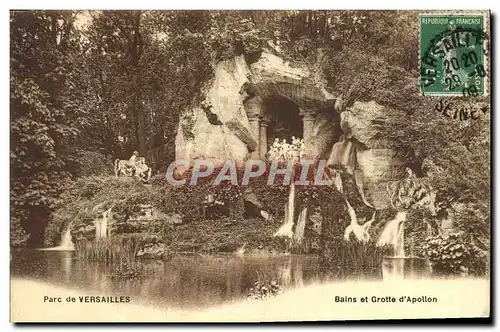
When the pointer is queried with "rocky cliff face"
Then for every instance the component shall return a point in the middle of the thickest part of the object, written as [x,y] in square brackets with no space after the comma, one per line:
[227,133]
[197,137]
[275,77]
[222,128]
[378,164]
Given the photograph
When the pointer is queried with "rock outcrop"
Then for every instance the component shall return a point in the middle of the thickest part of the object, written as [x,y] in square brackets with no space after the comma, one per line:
[275,77]
[237,95]
[243,133]
[197,137]
[152,247]
[378,164]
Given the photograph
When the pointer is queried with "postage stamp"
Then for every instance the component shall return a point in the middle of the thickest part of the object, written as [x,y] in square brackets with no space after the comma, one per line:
[453,54]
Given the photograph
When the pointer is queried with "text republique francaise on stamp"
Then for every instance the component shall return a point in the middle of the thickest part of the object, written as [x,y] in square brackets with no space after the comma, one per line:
[453,55]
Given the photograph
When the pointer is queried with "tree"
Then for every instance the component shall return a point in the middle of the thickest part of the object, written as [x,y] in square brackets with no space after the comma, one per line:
[44,114]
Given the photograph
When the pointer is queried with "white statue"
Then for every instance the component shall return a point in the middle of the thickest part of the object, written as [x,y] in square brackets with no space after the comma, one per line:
[135,166]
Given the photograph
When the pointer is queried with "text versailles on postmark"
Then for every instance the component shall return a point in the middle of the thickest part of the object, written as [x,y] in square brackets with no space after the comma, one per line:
[453,55]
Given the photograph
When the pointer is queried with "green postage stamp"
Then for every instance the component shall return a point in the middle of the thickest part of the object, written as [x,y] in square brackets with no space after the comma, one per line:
[453,54]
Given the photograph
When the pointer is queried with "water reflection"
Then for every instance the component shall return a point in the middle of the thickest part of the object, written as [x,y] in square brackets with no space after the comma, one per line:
[291,273]
[397,268]
[183,281]
[191,281]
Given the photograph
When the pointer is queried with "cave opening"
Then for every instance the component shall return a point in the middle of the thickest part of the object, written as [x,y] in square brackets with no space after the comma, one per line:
[284,121]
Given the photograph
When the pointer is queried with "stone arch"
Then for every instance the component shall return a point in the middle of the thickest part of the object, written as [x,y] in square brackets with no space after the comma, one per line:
[237,96]
[309,116]
[273,80]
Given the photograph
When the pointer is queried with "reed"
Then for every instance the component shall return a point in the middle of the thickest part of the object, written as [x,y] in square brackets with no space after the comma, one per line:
[114,249]
[353,257]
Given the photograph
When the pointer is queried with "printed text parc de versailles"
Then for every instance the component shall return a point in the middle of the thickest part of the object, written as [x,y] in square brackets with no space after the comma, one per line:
[87,299]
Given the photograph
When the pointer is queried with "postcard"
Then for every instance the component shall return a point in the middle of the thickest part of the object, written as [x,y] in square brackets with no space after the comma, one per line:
[249,166]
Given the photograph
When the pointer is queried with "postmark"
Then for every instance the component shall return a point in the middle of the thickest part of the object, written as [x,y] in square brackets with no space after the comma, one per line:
[453,55]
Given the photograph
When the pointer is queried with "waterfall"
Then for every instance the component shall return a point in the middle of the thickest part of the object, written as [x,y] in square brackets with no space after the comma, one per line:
[66,243]
[101,225]
[286,228]
[301,225]
[98,225]
[359,231]
[105,220]
[393,234]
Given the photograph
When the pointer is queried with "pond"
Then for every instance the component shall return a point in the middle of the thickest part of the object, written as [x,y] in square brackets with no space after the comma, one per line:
[185,281]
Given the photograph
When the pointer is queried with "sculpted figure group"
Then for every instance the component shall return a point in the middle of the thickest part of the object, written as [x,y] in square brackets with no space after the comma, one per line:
[135,166]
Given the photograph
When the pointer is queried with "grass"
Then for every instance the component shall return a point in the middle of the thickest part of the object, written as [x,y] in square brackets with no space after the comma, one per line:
[224,235]
[227,236]
[208,236]
[120,251]
[121,247]
[353,257]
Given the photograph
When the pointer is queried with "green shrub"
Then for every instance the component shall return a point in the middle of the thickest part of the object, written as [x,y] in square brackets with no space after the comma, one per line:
[18,237]
[224,235]
[87,198]
[263,289]
[419,225]
[93,163]
[453,253]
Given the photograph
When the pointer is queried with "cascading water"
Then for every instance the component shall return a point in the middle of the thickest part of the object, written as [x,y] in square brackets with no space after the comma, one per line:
[400,266]
[66,243]
[101,225]
[301,225]
[286,228]
[393,234]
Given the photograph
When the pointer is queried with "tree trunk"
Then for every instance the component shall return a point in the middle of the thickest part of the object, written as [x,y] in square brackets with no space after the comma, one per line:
[137,111]
[327,26]
[140,126]
[322,25]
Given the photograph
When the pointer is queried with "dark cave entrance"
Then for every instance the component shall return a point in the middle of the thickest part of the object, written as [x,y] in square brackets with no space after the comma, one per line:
[284,121]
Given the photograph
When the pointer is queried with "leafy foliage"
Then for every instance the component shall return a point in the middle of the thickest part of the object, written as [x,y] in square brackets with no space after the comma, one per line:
[452,253]
[264,289]
[88,197]
[44,112]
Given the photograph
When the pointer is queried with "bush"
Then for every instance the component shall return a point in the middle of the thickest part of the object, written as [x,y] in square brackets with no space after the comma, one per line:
[465,248]
[265,287]
[88,197]
[453,253]
[224,235]
[18,237]
[418,226]
[93,163]
[122,248]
